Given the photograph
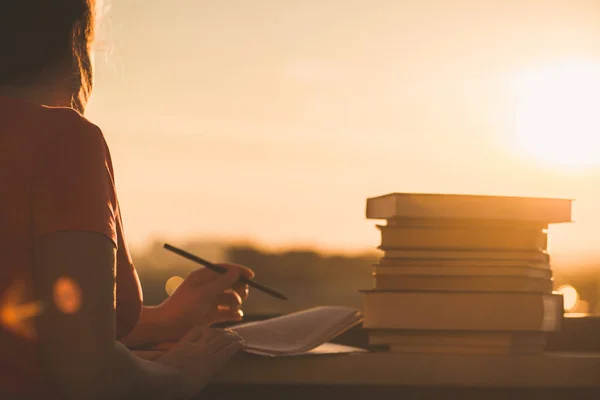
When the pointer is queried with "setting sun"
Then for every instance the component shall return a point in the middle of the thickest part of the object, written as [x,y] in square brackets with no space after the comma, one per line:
[557,119]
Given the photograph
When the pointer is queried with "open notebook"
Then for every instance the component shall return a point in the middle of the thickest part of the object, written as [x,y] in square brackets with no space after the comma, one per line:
[300,333]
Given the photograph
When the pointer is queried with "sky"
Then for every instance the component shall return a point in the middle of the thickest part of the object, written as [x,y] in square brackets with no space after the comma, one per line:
[274,121]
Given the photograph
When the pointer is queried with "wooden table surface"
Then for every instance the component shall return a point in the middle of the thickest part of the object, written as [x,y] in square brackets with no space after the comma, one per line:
[551,370]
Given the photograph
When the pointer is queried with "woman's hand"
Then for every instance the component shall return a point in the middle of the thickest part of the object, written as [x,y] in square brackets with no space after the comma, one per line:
[204,298]
[199,355]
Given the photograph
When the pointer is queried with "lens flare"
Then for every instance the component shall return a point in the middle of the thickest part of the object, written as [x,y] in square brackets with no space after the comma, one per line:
[16,314]
[172,284]
[67,295]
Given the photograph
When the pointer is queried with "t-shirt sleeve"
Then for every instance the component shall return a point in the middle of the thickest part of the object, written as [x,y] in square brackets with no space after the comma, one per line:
[72,188]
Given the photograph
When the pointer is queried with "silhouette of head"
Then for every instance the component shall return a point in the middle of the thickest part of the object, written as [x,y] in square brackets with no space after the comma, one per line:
[48,40]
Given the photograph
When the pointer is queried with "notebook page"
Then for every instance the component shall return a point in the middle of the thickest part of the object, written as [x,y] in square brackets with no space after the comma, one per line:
[324,349]
[298,332]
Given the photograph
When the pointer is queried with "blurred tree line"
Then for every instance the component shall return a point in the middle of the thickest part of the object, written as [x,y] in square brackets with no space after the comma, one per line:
[308,278]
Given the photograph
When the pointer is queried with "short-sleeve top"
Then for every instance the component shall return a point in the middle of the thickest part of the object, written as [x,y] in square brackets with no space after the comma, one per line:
[56,174]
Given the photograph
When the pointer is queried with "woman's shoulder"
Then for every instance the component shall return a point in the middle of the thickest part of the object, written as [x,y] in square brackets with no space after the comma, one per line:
[37,123]
[68,121]
[41,134]
[74,137]
[68,135]
[43,114]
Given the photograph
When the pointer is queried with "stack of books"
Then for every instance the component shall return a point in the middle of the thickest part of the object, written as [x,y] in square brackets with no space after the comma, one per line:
[463,274]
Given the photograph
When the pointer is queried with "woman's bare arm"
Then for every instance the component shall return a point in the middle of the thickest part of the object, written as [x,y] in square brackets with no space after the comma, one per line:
[152,328]
[78,352]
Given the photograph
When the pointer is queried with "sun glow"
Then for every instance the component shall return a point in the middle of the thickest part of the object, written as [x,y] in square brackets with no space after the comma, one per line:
[558,113]
[570,297]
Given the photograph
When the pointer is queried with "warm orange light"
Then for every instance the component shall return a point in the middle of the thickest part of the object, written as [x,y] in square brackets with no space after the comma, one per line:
[557,119]
[172,284]
[16,315]
[570,297]
[67,295]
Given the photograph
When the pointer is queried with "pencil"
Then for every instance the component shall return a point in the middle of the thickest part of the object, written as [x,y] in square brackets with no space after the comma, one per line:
[223,270]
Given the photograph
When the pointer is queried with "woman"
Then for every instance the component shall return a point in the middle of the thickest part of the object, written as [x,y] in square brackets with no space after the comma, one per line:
[71,299]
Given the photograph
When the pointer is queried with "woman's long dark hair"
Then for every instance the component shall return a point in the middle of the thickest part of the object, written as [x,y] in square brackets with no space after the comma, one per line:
[39,36]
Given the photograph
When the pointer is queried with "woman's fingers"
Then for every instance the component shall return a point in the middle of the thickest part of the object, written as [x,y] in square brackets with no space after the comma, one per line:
[225,353]
[205,275]
[226,315]
[206,340]
[230,299]
[149,355]
[202,275]
[199,360]
[228,348]
[223,282]
[219,282]
[228,308]
[209,358]
[216,339]
[242,289]
[244,271]
[194,334]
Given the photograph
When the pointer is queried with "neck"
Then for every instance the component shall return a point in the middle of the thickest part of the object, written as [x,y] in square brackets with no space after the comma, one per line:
[48,95]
